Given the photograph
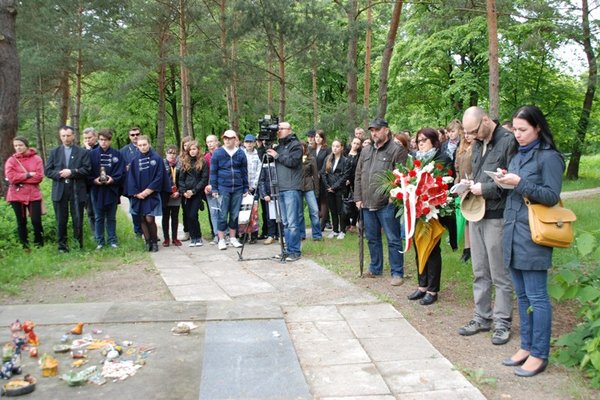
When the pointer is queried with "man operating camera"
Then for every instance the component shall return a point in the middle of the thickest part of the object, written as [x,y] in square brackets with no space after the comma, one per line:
[288,165]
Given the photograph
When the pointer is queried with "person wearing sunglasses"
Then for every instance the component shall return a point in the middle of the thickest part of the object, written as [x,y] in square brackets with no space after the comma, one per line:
[128,153]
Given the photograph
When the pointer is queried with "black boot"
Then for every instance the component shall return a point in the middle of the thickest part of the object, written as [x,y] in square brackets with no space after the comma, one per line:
[466,255]
[148,245]
[154,246]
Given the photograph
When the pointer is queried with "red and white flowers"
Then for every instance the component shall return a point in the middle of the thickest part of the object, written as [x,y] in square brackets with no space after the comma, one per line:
[420,191]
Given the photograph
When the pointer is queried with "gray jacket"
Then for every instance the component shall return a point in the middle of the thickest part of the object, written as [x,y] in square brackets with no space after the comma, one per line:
[541,172]
[498,154]
[372,163]
[288,164]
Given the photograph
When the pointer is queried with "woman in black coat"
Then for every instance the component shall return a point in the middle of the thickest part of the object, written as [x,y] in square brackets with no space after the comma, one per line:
[429,280]
[334,175]
[193,179]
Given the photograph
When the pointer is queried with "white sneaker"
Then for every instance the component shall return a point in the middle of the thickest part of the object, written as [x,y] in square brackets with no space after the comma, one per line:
[341,235]
[222,244]
[268,240]
[332,235]
[234,242]
[215,241]
[199,243]
[192,243]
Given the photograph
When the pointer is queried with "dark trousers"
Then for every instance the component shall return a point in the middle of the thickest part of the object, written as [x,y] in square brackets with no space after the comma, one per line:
[449,222]
[170,218]
[35,211]
[432,274]
[69,203]
[334,202]
[192,205]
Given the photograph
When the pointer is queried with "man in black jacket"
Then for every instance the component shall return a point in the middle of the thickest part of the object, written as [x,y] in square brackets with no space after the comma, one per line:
[288,164]
[68,166]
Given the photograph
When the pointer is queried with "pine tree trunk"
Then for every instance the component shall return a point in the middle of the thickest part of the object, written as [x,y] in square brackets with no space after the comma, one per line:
[173,102]
[584,118]
[270,82]
[162,88]
[494,79]
[281,59]
[76,115]
[313,76]
[40,121]
[351,75]
[235,112]
[65,94]
[10,77]
[186,115]
[367,78]
[387,58]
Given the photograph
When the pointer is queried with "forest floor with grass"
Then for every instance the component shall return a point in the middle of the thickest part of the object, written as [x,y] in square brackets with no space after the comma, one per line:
[136,279]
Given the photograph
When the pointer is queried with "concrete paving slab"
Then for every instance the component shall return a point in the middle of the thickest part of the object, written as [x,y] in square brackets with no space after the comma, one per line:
[369,311]
[171,371]
[331,352]
[427,375]
[311,313]
[457,394]
[401,348]
[320,331]
[378,328]
[198,292]
[250,360]
[67,313]
[183,276]
[360,398]
[243,284]
[346,380]
[242,310]
[157,311]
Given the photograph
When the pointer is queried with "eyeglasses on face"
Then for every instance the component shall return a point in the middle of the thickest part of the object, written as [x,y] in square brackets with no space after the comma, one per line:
[134,134]
[474,132]
[422,140]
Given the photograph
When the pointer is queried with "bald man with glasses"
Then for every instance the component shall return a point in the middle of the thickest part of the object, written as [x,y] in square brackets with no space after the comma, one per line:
[492,149]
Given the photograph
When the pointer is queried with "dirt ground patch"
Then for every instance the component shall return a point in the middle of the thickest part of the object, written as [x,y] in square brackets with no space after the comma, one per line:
[133,282]
[475,356]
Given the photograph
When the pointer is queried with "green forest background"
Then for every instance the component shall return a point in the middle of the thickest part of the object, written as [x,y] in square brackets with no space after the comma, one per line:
[117,64]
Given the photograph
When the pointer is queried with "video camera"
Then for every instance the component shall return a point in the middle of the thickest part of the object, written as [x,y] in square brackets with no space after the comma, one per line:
[268,128]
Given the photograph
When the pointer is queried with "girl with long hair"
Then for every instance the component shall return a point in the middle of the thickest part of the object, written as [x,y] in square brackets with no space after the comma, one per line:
[334,175]
[193,180]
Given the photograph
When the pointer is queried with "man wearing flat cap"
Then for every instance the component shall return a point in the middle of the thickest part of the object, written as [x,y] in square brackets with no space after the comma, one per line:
[377,211]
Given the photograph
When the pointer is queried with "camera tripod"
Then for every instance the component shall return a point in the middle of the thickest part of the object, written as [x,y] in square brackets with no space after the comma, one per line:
[269,163]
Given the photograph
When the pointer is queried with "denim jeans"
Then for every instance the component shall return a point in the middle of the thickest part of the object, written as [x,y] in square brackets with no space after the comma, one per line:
[105,216]
[291,206]
[214,212]
[230,205]
[375,220]
[531,288]
[313,211]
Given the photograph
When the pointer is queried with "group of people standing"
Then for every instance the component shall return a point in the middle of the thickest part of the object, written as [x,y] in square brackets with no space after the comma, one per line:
[327,179]
[497,235]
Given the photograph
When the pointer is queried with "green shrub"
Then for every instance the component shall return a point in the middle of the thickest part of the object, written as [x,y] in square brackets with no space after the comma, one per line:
[579,280]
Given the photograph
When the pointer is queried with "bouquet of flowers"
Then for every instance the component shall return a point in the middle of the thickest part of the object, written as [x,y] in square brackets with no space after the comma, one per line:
[420,191]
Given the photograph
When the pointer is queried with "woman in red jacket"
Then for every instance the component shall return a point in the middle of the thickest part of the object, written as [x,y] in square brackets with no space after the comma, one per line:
[24,171]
